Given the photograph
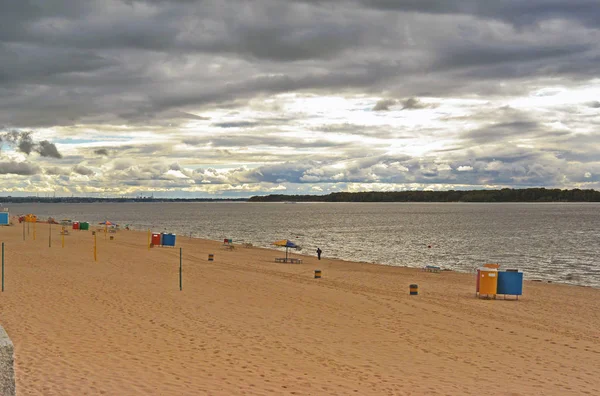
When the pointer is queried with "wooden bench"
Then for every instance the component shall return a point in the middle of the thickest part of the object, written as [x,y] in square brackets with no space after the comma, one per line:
[289,260]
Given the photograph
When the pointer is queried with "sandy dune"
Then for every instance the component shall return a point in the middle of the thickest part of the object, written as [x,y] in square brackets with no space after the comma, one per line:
[244,324]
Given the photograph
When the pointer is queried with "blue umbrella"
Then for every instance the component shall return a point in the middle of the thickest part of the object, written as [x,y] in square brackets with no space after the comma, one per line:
[287,244]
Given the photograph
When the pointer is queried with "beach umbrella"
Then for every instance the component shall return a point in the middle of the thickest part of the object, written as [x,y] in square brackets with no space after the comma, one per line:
[107,223]
[287,244]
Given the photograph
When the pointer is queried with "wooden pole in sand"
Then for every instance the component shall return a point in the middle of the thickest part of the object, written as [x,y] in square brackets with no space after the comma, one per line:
[23,229]
[50,235]
[180,285]
[34,230]
[2,266]
[95,257]
[148,238]
[62,236]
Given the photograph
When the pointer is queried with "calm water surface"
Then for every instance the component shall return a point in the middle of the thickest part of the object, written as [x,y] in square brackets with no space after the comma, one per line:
[552,241]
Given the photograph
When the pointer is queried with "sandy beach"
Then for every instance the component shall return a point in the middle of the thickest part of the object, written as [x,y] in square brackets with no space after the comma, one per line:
[244,324]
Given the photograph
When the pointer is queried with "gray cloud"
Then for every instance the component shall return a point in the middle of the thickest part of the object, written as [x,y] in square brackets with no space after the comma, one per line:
[166,87]
[594,104]
[510,11]
[236,124]
[412,104]
[384,104]
[101,151]
[83,170]
[23,142]
[55,170]
[159,55]
[19,168]
[47,149]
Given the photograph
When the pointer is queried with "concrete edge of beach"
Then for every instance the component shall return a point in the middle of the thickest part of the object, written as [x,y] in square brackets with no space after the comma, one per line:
[7,369]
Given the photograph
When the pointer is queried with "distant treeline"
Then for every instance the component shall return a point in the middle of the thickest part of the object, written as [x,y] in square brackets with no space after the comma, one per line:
[503,195]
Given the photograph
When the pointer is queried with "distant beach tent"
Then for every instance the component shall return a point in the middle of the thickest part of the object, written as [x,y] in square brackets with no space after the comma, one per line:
[287,244]
[107,223]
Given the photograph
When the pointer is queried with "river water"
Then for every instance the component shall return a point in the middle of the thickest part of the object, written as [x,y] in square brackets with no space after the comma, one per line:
[551,241]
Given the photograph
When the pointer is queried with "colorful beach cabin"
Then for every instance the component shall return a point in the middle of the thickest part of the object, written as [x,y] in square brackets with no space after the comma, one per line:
[168,239]
[492,281]
[510,282]
[487,282]
[156,239]
[4,218]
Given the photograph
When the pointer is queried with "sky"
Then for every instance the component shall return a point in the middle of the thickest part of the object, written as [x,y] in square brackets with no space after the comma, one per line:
[235,98]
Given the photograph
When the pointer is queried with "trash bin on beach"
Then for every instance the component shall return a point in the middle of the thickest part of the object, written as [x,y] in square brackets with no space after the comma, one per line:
[488,281]
[84,225]
[510,282]
[413,289]
[75,225]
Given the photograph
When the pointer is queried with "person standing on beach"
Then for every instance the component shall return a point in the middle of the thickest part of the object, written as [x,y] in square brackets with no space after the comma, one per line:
[319,251]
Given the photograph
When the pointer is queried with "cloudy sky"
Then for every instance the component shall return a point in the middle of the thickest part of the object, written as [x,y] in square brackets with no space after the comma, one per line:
[234,98]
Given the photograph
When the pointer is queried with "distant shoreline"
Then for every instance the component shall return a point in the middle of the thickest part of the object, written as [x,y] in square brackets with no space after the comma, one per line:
[502,195]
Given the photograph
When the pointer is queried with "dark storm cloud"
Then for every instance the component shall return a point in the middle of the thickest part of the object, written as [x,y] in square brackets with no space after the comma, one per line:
[480,54]
[30,62]
[67,62]
[509,11]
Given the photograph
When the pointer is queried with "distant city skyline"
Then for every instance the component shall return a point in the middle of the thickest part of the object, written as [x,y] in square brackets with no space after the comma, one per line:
[231,98]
